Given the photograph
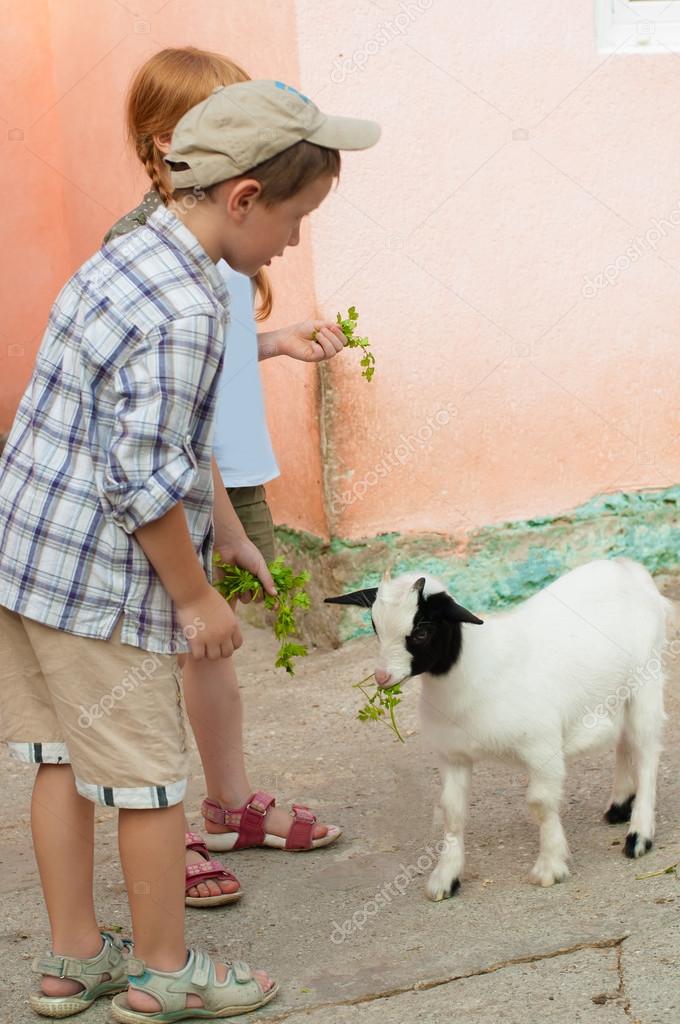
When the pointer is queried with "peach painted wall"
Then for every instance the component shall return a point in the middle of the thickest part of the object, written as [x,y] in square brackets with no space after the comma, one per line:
[515,161]
[516,165]
[63,75]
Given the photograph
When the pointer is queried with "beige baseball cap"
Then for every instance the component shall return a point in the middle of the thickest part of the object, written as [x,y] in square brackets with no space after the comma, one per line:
[240,126]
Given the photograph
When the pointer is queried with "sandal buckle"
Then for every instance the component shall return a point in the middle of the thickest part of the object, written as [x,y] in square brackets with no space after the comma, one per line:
[256,810]
[303,813]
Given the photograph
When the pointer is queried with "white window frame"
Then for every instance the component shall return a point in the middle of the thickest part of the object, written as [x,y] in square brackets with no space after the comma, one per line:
[637,26]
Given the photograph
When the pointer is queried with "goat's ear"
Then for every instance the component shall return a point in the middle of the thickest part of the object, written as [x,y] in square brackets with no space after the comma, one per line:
[361,598]
[419,585]
[461,614]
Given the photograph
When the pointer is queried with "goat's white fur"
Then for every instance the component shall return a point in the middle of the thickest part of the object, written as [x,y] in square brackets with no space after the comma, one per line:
[528,688]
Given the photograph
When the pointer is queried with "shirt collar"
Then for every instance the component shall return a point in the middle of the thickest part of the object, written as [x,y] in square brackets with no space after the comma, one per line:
[167,224]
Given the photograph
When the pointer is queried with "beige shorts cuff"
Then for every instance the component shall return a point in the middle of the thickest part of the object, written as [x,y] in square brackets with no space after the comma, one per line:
[128,798]
[141,798]
[40,753]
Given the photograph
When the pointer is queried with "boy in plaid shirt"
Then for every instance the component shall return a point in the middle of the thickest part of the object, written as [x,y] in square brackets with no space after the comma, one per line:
[106,491]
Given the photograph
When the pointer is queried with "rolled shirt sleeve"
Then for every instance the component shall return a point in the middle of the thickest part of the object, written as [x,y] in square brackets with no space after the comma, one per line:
[162,424]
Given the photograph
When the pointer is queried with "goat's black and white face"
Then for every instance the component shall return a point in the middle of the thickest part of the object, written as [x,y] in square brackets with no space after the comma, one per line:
[418,625]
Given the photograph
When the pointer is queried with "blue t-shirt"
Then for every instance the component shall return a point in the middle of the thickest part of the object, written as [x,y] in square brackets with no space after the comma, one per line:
[242,446]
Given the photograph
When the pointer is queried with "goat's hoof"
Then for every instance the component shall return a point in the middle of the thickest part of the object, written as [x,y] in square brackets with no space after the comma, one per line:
[548,872]
[636,845]
[617,813]
[440,889]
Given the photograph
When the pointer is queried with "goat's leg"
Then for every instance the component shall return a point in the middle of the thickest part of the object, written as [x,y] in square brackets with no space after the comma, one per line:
[645,717]
[445,879]
[546,780]
[623,790]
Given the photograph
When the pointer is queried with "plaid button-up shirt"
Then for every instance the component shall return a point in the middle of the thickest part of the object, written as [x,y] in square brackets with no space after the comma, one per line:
[114,428]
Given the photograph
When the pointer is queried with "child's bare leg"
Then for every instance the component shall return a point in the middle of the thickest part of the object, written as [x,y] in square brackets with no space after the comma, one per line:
[213,701]
[223,756]
[215,709]
[151,846]
[152,854]
[62,823]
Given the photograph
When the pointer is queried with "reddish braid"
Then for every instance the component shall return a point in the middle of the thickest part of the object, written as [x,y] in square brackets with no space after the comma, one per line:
[149,158]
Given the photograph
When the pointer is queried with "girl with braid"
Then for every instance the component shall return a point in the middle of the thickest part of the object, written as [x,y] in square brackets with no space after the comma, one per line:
[236,814]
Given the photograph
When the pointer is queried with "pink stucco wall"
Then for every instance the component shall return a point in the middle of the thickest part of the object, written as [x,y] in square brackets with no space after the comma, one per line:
[68,175]
[516,166]
[515,161]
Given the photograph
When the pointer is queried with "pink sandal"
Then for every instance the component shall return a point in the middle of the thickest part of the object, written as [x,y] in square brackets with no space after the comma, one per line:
[246,827]
[211,869]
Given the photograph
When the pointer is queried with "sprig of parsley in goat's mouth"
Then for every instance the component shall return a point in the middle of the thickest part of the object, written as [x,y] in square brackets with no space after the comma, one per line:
[290,596]
[383,699]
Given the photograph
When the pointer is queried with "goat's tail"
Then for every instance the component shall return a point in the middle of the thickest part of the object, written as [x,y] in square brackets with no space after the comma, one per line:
[646,706]
[672,613]
[668,613]
[668,636]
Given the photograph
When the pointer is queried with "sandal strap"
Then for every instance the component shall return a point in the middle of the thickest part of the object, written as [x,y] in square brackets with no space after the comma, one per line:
[196,873]
[60,967]
[212,811]
[108,960]
[300,834]
[247,820]
[197,977]
[192,841]
[135,967]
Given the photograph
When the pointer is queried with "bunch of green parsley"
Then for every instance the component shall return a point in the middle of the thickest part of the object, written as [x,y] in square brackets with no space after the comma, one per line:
[347,326]
[290,596]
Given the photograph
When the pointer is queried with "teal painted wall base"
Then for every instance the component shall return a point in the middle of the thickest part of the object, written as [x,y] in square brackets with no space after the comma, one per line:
[496,566]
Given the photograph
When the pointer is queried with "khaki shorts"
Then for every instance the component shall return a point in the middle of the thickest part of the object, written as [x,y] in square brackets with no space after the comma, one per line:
[112,711]
[250,505]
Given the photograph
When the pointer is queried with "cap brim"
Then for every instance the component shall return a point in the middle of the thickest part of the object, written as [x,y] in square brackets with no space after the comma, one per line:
[345,133]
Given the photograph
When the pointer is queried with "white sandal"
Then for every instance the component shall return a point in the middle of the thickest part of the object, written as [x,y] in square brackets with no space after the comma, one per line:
[100,975]
[241,992]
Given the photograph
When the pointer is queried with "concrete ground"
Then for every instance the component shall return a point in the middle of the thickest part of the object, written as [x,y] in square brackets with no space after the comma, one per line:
[602,947]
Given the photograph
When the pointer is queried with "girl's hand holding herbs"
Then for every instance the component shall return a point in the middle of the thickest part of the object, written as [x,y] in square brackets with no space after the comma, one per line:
[291,595]
[242,552]
[312,341]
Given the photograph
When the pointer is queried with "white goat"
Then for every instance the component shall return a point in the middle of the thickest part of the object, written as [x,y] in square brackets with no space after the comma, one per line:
[575,668]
